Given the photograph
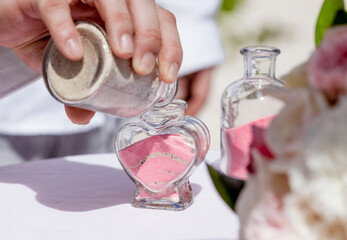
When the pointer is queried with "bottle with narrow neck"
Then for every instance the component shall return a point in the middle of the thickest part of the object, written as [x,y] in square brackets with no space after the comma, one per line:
[245,104]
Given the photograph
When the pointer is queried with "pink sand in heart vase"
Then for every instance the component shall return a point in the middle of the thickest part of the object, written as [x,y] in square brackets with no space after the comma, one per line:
[238,141]
[157,161]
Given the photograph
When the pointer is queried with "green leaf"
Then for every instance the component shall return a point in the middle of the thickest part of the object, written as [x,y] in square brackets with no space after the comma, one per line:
[228,188]
[229,5]
[329,15]
[341,18]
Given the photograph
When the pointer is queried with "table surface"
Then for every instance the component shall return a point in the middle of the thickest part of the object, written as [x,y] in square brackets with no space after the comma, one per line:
[89,197]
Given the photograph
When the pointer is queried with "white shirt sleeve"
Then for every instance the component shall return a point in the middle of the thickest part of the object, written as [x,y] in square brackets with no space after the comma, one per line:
[200,38]
[14,74]
[31,111]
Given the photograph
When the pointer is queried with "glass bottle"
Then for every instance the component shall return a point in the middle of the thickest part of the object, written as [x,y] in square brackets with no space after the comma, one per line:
[159,151]
[101,81]
[245,104]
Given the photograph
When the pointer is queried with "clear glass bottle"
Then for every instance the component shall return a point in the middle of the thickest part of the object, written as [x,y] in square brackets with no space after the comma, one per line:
[244,105]
[101,81]
[159,151]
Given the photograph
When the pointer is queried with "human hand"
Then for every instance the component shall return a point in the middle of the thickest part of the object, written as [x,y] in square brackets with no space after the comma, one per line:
[136,29]
[194,89]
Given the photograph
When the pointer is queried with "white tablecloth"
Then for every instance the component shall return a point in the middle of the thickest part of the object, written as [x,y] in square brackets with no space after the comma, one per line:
[88,197]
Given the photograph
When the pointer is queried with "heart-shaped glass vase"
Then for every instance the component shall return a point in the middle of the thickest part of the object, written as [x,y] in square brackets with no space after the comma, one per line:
[159,152]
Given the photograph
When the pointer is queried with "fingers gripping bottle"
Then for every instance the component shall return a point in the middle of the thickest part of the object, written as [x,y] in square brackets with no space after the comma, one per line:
[101,81]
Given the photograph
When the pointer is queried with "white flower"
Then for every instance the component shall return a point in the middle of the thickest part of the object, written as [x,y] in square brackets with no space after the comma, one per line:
[267,221]
[286,131]
[302,193]
[317,202]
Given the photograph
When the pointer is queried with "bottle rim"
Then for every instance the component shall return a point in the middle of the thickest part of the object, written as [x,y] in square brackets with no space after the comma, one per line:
[260,50]
[169,94]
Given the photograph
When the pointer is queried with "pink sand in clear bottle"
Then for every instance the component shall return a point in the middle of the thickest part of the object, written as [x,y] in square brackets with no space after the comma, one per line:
[238,140]
[157,161]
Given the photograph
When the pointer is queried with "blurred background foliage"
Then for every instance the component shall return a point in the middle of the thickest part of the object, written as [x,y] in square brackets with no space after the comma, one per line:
[236,37]
[332,13]
[229,5]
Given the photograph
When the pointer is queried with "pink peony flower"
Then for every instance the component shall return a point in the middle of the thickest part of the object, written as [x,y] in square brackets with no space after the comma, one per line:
[327,67]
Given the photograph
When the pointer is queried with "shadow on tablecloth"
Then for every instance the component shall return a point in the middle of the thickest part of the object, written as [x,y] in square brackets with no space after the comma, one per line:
[73,186]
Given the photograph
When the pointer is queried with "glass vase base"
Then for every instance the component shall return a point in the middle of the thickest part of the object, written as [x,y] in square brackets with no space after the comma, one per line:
[177,200]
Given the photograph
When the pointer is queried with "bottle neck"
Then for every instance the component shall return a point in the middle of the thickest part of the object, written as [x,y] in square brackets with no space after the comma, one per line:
[169,94]
[259,61]
[259,67]
[159,117]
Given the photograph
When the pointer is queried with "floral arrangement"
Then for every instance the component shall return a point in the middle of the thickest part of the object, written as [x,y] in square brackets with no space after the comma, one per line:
[297,182]
[297,186]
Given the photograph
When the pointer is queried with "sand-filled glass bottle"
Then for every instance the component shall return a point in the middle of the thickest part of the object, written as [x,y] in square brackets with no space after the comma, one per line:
[159,151]
[245,104]
[101,81]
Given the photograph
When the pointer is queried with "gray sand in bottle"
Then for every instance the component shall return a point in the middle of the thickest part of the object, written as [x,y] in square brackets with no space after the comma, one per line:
[110,81]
